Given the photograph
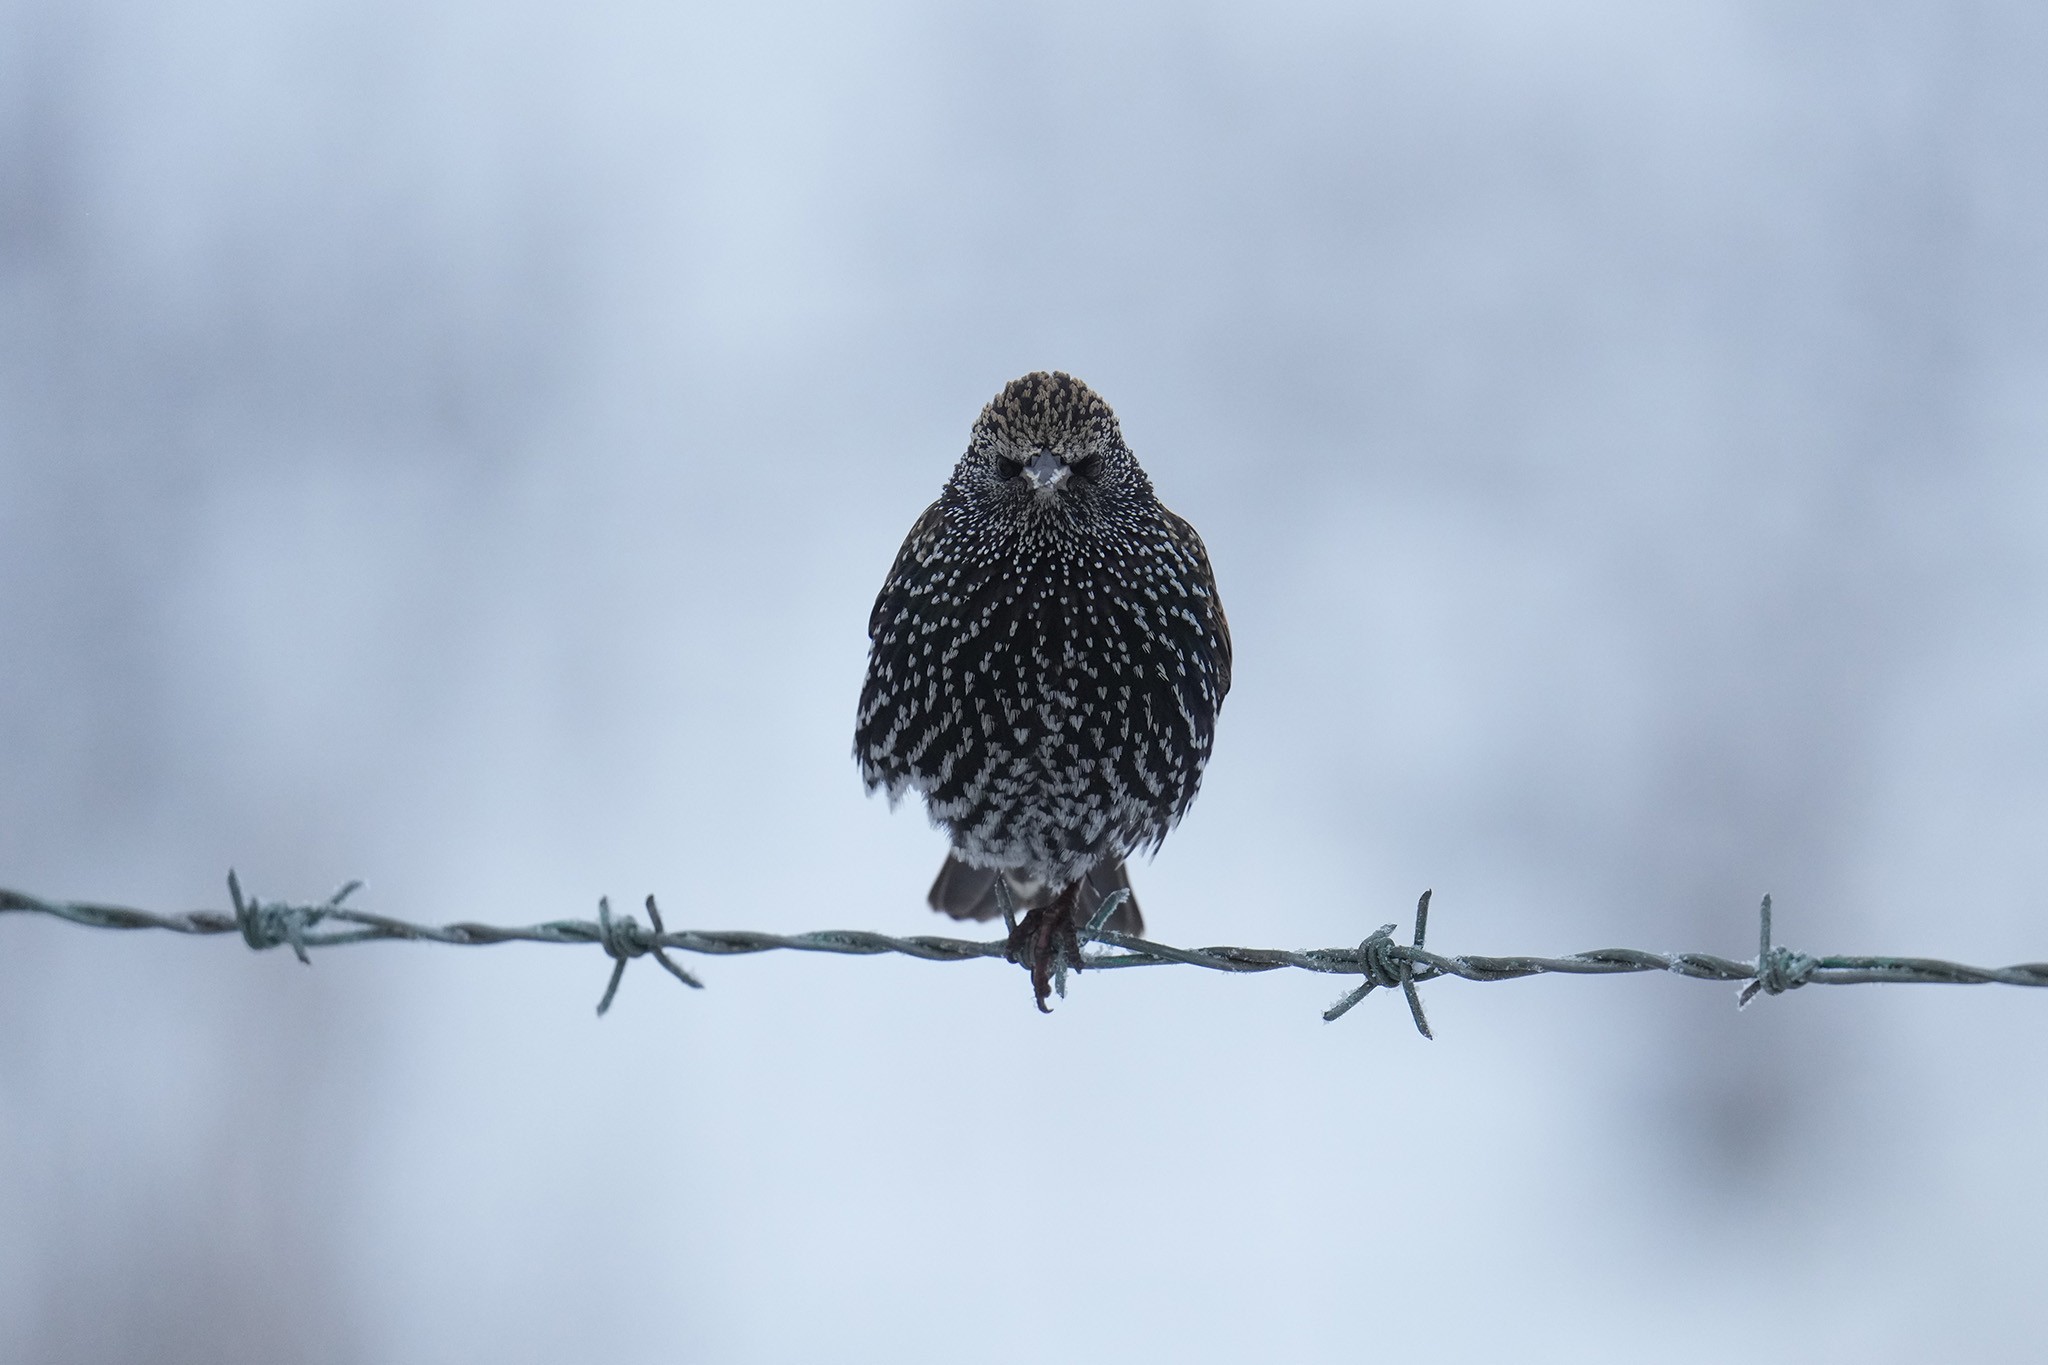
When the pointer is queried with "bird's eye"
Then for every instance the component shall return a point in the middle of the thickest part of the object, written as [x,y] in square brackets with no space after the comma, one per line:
[1007,467]
[1090,468]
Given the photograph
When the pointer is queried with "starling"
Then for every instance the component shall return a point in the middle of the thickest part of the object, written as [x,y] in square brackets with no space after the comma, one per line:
[1047,658]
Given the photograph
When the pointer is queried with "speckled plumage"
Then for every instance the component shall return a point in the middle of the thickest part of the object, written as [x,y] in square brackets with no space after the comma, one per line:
[1048,656]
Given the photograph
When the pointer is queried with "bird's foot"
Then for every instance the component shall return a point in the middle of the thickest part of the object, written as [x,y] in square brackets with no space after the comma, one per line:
[1047,943]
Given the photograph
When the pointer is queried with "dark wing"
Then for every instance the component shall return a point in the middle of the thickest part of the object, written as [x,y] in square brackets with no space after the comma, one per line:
[1218,624]
[916,552]
[896,714]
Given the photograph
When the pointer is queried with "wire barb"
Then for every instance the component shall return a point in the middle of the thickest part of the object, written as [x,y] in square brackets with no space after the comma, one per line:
[1007,903]
[1386,963]
[1777,969]
[1110,905]
[267,926]
[624,940]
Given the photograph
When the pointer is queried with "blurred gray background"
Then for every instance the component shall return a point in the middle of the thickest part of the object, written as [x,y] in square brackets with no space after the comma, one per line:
[456,444]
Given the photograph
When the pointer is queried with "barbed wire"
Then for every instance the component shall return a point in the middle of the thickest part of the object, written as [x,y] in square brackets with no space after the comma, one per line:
[1378,958]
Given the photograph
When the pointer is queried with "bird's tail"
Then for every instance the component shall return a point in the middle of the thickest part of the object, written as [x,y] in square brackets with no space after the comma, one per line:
[966,892]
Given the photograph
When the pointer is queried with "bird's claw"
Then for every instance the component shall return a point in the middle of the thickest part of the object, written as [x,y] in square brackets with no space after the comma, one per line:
[1047,944]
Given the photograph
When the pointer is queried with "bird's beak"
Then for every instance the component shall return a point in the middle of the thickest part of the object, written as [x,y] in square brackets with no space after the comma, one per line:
[1046,472]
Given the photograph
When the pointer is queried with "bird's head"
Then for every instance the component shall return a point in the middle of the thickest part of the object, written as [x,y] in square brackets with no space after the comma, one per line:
[1048,441]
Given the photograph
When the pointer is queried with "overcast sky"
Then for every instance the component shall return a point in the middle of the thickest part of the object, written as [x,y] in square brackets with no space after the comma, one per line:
[456,445]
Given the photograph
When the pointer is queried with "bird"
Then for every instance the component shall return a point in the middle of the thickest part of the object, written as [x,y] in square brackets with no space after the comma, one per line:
[1047,659]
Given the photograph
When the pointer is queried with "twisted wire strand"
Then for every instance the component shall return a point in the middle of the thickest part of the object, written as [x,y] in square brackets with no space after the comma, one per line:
[1378,958]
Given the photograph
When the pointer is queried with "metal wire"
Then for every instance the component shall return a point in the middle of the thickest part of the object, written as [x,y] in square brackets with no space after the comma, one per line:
[1378,958]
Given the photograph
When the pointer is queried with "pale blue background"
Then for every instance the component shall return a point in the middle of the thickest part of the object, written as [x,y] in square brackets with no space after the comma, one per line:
[456,444]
